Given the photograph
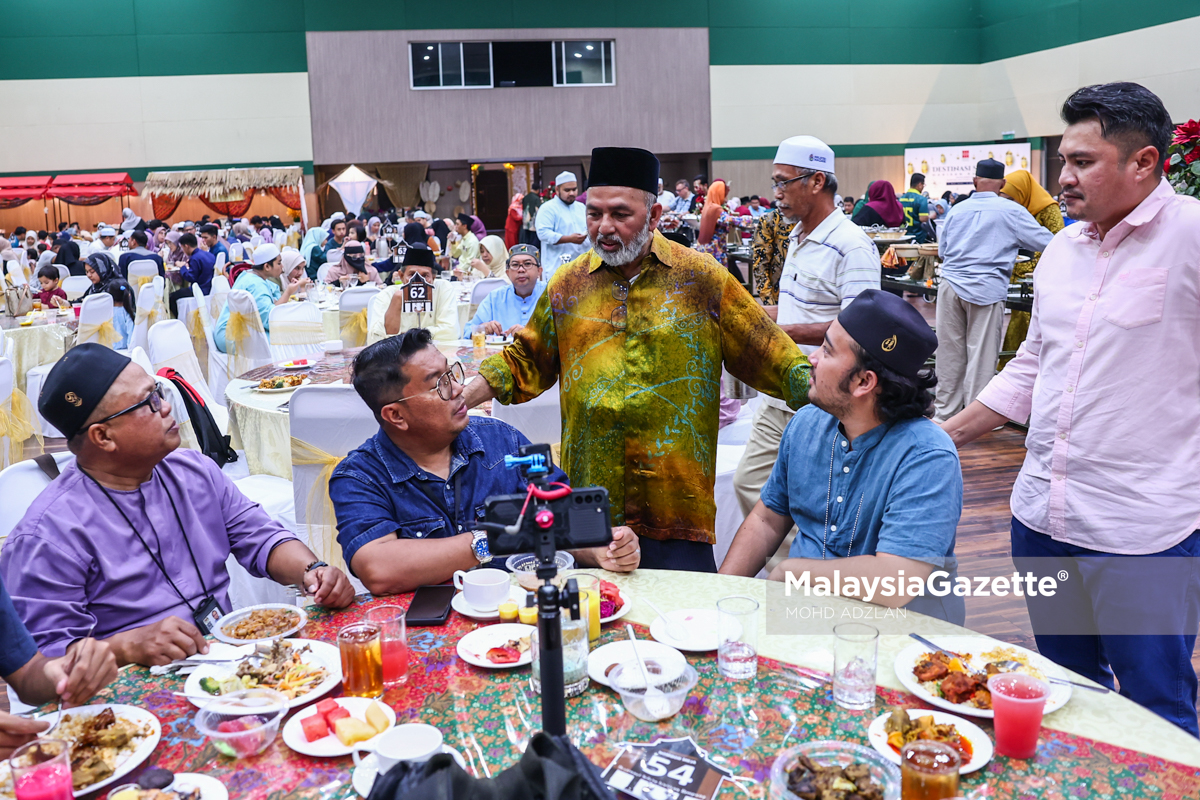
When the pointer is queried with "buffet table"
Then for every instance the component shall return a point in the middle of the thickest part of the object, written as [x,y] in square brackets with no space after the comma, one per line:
[43,341]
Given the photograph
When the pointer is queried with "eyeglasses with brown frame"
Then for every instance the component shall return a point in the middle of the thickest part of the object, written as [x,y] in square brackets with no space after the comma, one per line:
[456,373]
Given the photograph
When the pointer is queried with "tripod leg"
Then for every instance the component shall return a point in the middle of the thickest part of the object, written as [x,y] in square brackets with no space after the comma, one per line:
[554,705]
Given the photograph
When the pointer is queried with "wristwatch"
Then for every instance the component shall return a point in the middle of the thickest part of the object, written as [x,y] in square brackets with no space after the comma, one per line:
[479,546]
[314,565]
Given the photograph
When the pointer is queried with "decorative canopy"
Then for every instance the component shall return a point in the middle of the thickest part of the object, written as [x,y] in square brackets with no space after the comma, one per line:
[220,183]
[96,185]
[353,185]
[27,188]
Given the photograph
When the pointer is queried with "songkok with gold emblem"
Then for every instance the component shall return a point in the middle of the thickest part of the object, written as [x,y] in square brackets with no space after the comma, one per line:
[77,384]
[890,330]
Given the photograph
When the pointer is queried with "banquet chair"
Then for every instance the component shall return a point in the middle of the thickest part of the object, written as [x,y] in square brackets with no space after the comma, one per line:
[16,274]
[253,350]
[255,240]
[160,285]
[352,314]
[323,272]
[75,286]
[170,346]
[141,272]
[483,288]
[149,311]
[236,251]
[16,417]
[219,267]
[178,410]
[216,363]
[218,295]
[64,273]
[20,484]
[296,331]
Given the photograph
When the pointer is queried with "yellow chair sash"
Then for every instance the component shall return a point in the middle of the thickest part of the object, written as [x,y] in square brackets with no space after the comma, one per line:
[16,422]
[139,281]
[297,332]
[199,341]
[237,330]
[354,328]
[104,333]
[322,521]
[147,315]
[215,304]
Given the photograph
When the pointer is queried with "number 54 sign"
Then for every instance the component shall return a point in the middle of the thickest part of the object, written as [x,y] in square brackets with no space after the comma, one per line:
[658,772]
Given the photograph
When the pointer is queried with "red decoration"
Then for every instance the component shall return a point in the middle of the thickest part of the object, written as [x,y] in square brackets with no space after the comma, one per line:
[164,205]
[288,195]
[230,208]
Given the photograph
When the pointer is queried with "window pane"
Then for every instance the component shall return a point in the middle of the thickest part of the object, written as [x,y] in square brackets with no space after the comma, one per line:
[426,66]
[522,64]
[451,64]
[608,62]
[477,64]
[584,63]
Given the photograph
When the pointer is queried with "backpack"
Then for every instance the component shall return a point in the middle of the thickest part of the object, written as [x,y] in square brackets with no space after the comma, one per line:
[213,443]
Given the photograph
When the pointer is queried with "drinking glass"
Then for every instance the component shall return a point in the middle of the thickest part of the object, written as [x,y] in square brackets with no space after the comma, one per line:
[362,660]
[393,641]
[589,602]
[41,770]
[574,655]
[737,637]
[855,660]
[1018,701]
[928,770]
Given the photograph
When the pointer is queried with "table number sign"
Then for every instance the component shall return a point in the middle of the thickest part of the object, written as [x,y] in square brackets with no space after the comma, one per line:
[669,769]
[418,296]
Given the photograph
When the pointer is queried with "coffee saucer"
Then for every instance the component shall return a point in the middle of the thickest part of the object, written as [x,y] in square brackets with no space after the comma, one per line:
[460,604]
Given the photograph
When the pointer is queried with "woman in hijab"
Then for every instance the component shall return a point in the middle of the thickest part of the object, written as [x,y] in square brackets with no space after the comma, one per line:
[374,226]
[493,258]
[477,227]
[353,269]
[241,231]
[441,232]
[1021,188]
[512,223]
[714,223]
[177,255]
[44,260]
[131,221]
[100,269]
[312,250]
[68,255]
[293,265]
[415,235]
[882,207]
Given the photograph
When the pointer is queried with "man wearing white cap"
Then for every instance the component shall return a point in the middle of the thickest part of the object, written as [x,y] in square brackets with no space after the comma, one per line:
[261,283]
[561,224]
[105,239]
[829,262]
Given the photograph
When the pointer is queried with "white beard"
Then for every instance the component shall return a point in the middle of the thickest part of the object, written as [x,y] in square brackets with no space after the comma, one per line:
[626,253]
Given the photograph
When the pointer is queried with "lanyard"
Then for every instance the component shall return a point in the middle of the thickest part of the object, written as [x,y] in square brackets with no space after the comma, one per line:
[158,561]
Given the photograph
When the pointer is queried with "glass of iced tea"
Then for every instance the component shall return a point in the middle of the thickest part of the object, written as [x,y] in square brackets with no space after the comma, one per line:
[393,640]
[362,659]
[37,304]
[928,770]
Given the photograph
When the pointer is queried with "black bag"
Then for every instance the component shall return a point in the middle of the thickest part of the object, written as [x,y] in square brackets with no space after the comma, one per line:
[213,443]
[551,769]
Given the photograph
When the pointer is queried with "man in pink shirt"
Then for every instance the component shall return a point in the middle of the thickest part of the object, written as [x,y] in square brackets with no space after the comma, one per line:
[1109,379]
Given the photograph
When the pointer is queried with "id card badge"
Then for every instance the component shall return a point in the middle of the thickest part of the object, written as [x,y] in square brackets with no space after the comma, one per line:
[207,614]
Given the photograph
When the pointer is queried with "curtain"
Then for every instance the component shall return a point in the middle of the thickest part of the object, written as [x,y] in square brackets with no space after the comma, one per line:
[86,201]
[14,202]
[231,205]
[164,205]
[402,182]
[288,195]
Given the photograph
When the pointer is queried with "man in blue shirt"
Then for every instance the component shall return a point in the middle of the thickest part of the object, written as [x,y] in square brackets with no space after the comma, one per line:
[408,498]
[213,243]
[874,488]
[916,207]
[261,282]
[139,252]
[507,309]
[200,268]
[86,668]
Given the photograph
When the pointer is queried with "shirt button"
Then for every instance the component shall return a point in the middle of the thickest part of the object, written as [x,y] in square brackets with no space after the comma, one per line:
[1091,297]
[1105,254]
[839,498]
[845,469]
[1070,388]
[1062,436]
[1079,344]
[833,527]
[843,444]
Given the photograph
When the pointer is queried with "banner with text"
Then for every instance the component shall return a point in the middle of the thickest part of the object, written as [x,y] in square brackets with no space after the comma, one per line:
[953,168]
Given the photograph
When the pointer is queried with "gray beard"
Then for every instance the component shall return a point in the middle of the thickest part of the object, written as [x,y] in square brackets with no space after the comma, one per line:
[626,253]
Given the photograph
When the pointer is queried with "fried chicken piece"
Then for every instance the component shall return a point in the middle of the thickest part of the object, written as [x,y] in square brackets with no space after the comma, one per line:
[931,670]
[982,697]
[87,768]
[105,719]
[958,687]
[110,737]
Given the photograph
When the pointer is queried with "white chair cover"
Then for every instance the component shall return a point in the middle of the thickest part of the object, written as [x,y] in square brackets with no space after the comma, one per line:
[141,272]
[274,494]
[64,273]
[219,268]
[351,302]
[323,272]
[160,286]
[218,362]
[540,419]
[149,312]
[16,273]
[34,378]
[236,251]
[20,485]
[255,240]
[483,288]
[75,286]
[138,356]
[253,351]
[97,309]
[297,331]
[6,389]
[218,296]
[171,346]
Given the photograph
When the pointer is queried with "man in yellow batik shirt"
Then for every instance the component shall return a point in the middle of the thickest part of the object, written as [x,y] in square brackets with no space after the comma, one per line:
[636,331]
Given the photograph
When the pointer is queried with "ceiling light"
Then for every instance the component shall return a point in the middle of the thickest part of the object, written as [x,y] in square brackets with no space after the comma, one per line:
[589,47]
[430,47]
[579,55]
[426,58]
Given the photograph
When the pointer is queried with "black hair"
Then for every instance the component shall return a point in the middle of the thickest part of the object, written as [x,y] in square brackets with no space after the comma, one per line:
[32,253]
[48,271]
[256,220]
[154,224]
[900,397]
[205,219]
[948,196]
[379,369]
[189,240]
[915,179]
[849,199]
[701,177]
[1129,114]
[755,197]
[122,293]
[42,247]
[42,235]
[140,237]
[20,231]
[62,226]
[209,229]
[335,223]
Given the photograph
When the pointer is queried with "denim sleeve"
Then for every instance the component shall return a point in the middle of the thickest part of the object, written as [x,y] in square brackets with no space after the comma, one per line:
[923,507]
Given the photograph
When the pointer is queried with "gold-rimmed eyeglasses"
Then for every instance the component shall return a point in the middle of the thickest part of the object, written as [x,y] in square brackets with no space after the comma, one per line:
[443,387]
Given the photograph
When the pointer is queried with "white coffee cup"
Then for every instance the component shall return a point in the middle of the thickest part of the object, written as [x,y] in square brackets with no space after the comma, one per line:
[413,741]
[483,589]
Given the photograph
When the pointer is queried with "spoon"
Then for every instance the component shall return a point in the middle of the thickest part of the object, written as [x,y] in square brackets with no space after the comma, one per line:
[70,666]
[655,701]
[674,629]
[1009,665]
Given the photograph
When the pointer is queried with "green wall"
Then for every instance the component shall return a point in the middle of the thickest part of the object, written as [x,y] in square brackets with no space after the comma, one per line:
[118,38]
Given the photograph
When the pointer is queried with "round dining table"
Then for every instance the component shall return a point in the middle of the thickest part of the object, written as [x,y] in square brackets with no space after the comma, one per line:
[1098,745]
[43,341]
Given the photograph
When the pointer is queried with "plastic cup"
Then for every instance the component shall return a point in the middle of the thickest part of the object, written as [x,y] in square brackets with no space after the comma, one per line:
[855,661]
[929,770]
[737,637]
[393,640]
[1018,701]
[41,770]
[589,594]
[362,660]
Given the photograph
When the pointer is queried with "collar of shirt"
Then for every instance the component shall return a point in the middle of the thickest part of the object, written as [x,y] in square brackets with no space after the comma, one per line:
[1144,212]
[660,248]
[821,232]
[401,468]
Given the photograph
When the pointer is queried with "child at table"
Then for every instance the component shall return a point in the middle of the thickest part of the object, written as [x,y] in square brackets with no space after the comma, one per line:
[124,311]
[48,278]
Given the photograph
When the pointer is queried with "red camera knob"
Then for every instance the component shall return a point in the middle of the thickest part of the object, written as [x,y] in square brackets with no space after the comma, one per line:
[544,518]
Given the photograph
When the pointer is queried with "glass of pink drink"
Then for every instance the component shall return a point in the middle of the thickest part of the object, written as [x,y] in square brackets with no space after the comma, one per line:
[41,770]
[394,640]
[1018,701]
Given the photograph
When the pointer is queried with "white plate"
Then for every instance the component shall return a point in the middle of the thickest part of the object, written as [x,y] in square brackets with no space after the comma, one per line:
[330,746]
[700,624]
[289,365]
[129,761]
[668,658]
[255,388]
[210,788]
[473,647]
[981,745]
[460,604]
[235,616]
[320,654]
[365,773]
[626,603]
[973,646]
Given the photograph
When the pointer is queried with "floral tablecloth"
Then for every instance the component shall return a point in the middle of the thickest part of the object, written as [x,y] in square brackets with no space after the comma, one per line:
[490,715]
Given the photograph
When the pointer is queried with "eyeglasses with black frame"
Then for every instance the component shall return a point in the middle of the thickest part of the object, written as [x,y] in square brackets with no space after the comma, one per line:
[456,373]
[154,400]
[777,186]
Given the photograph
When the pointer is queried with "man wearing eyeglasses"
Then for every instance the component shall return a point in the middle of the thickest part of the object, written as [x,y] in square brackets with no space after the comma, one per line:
[636,331]
[508,308]
[829,262]
[407,500]
[130,541]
